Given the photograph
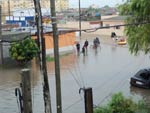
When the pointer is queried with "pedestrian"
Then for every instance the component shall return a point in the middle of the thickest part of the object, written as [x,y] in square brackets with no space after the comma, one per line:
[83,50]
[94,44]
[97,41]
[78,48]
[86,43]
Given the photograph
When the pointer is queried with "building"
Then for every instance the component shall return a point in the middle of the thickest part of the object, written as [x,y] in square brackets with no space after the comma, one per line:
[66,42]
[26,17]
[8,6]
[62,5]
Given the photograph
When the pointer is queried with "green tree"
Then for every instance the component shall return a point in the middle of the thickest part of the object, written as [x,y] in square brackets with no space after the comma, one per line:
[23,51]
[138,35]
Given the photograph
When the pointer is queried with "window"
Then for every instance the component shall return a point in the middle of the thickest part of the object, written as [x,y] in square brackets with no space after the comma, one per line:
[145,76]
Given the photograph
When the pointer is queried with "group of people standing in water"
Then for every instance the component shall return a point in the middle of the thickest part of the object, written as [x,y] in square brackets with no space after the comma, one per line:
[96,43]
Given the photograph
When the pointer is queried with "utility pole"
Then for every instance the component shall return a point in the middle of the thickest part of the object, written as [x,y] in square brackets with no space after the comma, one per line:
[56,55]
[42,56]
[9,9]
[80,19]
[1,43]
[88,98]
[26,90]
[36,22]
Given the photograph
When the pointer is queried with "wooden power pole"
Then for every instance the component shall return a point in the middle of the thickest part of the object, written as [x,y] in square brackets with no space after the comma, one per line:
[9,9]
[26,90]
[56,55]
[41,42]
[1,43]
[88,98]
[80,19]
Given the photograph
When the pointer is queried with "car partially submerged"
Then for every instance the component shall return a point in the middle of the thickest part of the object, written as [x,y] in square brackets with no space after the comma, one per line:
[141,79]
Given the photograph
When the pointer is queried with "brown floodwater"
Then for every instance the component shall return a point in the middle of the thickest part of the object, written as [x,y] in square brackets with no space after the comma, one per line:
[107,70]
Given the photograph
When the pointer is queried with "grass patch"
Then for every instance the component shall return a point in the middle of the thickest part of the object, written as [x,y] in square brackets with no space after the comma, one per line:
[50,59]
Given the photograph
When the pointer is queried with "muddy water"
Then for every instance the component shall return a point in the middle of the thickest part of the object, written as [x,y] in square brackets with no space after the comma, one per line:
[107,70]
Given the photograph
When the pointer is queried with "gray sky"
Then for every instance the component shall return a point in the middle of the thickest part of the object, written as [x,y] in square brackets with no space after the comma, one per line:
[99,3]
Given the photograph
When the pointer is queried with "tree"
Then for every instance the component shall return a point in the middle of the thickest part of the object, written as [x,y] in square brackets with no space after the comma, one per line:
[138,35]
[23,51]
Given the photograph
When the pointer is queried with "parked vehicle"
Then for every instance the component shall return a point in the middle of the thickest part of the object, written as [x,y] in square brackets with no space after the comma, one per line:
[141,79]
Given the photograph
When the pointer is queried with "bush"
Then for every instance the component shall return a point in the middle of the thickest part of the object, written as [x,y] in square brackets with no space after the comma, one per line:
[23,51]
[120,104]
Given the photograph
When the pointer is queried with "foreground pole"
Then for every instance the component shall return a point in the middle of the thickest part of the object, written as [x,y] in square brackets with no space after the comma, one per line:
[56,55]
[41,44]
[80,19]
[26,90]
[88,98]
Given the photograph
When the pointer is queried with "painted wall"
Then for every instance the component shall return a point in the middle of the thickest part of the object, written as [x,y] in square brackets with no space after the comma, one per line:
[66,42]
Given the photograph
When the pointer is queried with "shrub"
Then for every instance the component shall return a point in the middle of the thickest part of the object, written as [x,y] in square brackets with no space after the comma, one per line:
[23,51]
[120,104]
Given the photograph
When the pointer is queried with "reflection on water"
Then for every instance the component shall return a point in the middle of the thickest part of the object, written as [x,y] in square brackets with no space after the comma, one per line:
[104,71]
[143,93]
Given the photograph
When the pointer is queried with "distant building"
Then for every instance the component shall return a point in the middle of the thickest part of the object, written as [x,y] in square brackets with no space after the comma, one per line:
[108,11]
[25,17]
[94,6]
[11,5]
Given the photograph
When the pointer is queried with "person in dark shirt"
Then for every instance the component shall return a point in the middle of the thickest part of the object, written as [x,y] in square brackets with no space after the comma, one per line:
[86,43]
[78,48]
[97,40]
[83,50]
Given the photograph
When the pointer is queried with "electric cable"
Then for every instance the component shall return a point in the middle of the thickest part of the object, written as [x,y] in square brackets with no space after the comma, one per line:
[76,79]
[107,96]
[105,27]
[72,105]
[75,76]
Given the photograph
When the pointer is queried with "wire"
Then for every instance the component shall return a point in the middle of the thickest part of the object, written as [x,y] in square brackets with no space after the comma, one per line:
[72,105]
[76,79]
[104,27]
[117,87]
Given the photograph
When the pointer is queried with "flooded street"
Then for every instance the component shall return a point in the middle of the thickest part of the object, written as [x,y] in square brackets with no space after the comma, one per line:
[107,70]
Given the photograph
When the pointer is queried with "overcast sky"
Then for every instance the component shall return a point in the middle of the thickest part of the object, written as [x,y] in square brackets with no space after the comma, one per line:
[99,3]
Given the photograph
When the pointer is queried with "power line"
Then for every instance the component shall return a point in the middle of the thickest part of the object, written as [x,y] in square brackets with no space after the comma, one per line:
[121,82]
[104,27]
